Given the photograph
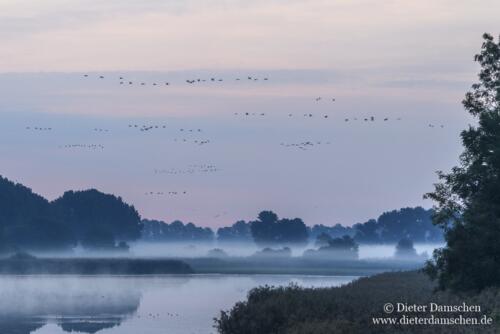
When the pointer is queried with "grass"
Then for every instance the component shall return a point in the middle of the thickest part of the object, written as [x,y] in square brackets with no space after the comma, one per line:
[92,266]
[297,266]
[350,308]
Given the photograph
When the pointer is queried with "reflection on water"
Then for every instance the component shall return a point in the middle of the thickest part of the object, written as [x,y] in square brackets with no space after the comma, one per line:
[84,304]
[129,305]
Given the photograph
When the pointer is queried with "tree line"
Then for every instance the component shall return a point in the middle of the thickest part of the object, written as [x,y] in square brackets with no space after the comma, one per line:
[94,220]
[89,218]
[390,227]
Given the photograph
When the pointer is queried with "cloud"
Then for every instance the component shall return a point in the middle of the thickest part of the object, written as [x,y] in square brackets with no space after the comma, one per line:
[59,35]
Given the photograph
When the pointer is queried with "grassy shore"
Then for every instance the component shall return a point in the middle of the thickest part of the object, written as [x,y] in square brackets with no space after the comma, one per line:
[25,264]
[92,266]
[351,308]
[296,266]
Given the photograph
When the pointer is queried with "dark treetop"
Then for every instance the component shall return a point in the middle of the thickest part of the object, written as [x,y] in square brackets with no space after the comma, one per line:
[88,218]
[468,198]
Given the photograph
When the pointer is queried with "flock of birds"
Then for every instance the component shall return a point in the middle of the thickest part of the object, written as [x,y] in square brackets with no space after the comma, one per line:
[83,146]
[320,98]
[158,315]
[145,128]
[192,169]
[311,115]
[123,81]
[189,134]
[369,119]
[218,215]
[212,79]
[262,114]
[162,193]
[305,145]
[38,128]
[198,142]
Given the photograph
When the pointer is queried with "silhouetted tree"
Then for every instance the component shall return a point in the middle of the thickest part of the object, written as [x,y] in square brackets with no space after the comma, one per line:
[158,231]
[368,232]
[239,231]
[344,248]
[269,230]
[323,240]
[334,231]
[390,227]
[405,249]
[98,220]
[270,253]
[27,221]
[217,253]
[468,198]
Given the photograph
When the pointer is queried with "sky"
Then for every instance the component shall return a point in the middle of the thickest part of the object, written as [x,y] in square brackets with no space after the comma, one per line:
[409,62]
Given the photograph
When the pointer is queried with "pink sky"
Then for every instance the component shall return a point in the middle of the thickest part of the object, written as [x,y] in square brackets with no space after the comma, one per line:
[385,59]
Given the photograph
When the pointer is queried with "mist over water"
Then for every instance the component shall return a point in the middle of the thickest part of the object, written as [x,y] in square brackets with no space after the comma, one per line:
[234,249]
[130,304]
[246,249]
[387,250]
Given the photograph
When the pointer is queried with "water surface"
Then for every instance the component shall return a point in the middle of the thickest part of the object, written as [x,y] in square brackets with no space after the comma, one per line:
[130,304]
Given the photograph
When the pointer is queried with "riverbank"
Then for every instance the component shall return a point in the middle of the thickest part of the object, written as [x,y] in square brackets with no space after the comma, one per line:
[24,264]
[351,308]
[91,266]
[297,266]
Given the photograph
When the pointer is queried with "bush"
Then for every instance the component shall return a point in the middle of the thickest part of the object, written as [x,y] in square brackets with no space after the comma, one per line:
[348,309]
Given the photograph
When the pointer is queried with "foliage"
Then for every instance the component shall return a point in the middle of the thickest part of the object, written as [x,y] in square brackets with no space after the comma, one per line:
[268,230]
[334,231]
[323,240]
[27,221]
[344,248]
[468,198]
[270,253]
[344,243]
[239,231]
[405,249]
[350,308]
[158,231]
[390,227]
[217,253]
[98,220]
[414,223]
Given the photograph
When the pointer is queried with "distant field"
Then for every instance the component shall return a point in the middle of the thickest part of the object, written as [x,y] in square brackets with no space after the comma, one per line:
[248,265]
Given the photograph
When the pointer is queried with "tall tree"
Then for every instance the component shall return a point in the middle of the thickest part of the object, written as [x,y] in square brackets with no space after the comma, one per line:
[159,231]
[268,230]
[405,249]
[27,221]
[468,198]
[392,226]
[239,231]
[344,248]
[98,220]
